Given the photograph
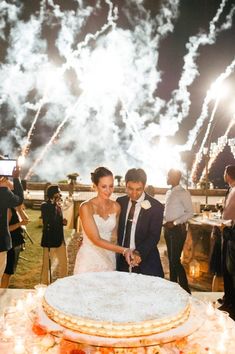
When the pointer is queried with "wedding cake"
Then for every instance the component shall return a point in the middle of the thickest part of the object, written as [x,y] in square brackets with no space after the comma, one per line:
[116,304]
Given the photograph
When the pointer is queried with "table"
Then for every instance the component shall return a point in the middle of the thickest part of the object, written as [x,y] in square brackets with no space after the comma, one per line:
[198,248]
[216,335]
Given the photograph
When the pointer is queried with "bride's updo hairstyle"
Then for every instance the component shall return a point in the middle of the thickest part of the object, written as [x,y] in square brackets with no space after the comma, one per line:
[99,173]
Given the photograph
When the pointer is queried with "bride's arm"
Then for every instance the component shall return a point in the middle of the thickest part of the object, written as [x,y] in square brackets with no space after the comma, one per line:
[90,228]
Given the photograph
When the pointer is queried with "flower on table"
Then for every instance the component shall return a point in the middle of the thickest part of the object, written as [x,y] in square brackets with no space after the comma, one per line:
[67,347]
[38,329]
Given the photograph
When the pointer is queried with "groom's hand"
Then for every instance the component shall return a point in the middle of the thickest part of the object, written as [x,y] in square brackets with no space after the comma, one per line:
[136,259]
[132,257]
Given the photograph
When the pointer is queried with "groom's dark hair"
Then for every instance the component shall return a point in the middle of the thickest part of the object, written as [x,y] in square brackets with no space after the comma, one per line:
[230,170]
[136,175]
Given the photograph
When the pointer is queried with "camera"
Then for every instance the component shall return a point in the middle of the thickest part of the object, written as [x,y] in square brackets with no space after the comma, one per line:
[7,166]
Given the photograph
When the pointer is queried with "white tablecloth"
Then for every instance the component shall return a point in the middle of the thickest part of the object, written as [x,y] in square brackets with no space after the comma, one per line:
[216,334]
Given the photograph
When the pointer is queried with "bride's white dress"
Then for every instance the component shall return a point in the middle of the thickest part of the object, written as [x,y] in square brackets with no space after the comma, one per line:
[91,258]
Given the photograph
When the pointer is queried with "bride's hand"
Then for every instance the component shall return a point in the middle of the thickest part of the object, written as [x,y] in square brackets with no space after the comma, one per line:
[128,254]
[136,259]
[132,257]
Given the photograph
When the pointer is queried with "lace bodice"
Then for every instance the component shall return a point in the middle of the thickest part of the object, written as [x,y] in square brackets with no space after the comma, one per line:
[91,258]
[105,227]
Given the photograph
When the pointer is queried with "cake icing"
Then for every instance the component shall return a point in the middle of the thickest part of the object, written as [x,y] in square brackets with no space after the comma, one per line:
[116,304]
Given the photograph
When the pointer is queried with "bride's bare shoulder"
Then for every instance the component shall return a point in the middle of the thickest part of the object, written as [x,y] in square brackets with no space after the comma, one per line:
[117,207]
[88,205]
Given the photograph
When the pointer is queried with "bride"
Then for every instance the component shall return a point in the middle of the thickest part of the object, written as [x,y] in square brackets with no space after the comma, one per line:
[99,218]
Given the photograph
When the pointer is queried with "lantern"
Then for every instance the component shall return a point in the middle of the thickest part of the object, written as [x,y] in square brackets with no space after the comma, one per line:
[194,269]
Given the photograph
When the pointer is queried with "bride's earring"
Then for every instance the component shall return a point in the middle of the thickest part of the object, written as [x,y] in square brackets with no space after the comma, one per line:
[93,188]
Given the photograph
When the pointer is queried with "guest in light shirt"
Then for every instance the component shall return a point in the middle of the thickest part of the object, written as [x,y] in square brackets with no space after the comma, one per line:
[178,210]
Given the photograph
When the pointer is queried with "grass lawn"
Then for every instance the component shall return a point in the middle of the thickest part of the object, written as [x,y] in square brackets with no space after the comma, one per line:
[29,267]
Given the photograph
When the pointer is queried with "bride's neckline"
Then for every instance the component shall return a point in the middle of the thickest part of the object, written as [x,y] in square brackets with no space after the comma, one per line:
[106,217]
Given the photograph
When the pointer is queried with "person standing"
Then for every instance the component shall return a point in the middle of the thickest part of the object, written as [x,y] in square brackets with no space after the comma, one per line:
[53,241]
[99,219]
[140,225]
[8,199]
[228,214]
[178,210]
[17,218]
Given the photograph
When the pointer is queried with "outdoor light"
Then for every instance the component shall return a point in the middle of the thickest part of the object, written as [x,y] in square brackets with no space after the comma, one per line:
[194,269]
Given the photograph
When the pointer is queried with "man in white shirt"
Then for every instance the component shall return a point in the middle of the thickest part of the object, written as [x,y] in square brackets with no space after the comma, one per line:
[178,209]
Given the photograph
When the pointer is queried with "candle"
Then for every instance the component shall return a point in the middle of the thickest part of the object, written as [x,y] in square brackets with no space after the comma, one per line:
[221,347]
[36,350]
[225,335]
[8,333]
[19,347]
[222,318]
[29,299]
[210,311]
[20,306]
[40,290]
[1,321]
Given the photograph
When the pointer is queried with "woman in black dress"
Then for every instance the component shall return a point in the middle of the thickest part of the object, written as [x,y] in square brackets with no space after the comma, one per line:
[17,218]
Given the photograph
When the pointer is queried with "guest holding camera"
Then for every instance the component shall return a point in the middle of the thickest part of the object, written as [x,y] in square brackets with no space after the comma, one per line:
[53,241]
[8,199]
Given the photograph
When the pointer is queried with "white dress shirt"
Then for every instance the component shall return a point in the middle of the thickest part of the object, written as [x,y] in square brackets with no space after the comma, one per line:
[135,219]
[178,205]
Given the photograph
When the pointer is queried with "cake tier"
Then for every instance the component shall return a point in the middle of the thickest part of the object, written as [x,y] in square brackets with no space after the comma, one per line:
[116,304]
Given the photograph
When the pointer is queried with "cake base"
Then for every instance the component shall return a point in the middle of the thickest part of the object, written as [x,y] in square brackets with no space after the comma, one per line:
[195,321]
[116,304]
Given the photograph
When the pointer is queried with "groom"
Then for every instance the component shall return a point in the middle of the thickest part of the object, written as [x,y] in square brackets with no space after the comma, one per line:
[140,225]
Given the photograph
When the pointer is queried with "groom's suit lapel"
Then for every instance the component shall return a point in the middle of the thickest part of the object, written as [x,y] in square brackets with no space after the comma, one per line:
[125,206]
[139,221]
[141,218]
[123,216]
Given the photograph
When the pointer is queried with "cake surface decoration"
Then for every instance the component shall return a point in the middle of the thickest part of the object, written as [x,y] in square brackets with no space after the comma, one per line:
[116,304]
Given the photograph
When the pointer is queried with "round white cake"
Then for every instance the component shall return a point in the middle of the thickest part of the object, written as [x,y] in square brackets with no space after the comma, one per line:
[116,304]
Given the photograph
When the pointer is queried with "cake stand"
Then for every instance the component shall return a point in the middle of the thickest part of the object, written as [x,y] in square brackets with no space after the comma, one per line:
[194,321]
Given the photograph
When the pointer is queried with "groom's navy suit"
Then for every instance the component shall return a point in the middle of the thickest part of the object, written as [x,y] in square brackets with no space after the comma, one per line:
[147,235]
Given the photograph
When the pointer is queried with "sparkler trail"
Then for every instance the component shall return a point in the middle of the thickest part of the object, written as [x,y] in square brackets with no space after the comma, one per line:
[218,82]
[85,85]
[178,107]
[112,16]
[56,133]
[110,23]
[218,148]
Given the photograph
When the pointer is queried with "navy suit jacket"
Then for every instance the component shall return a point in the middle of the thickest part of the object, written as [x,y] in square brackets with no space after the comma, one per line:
[52,232]
[147,236]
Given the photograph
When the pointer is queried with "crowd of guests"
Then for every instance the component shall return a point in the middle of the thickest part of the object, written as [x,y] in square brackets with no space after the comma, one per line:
[120,234]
